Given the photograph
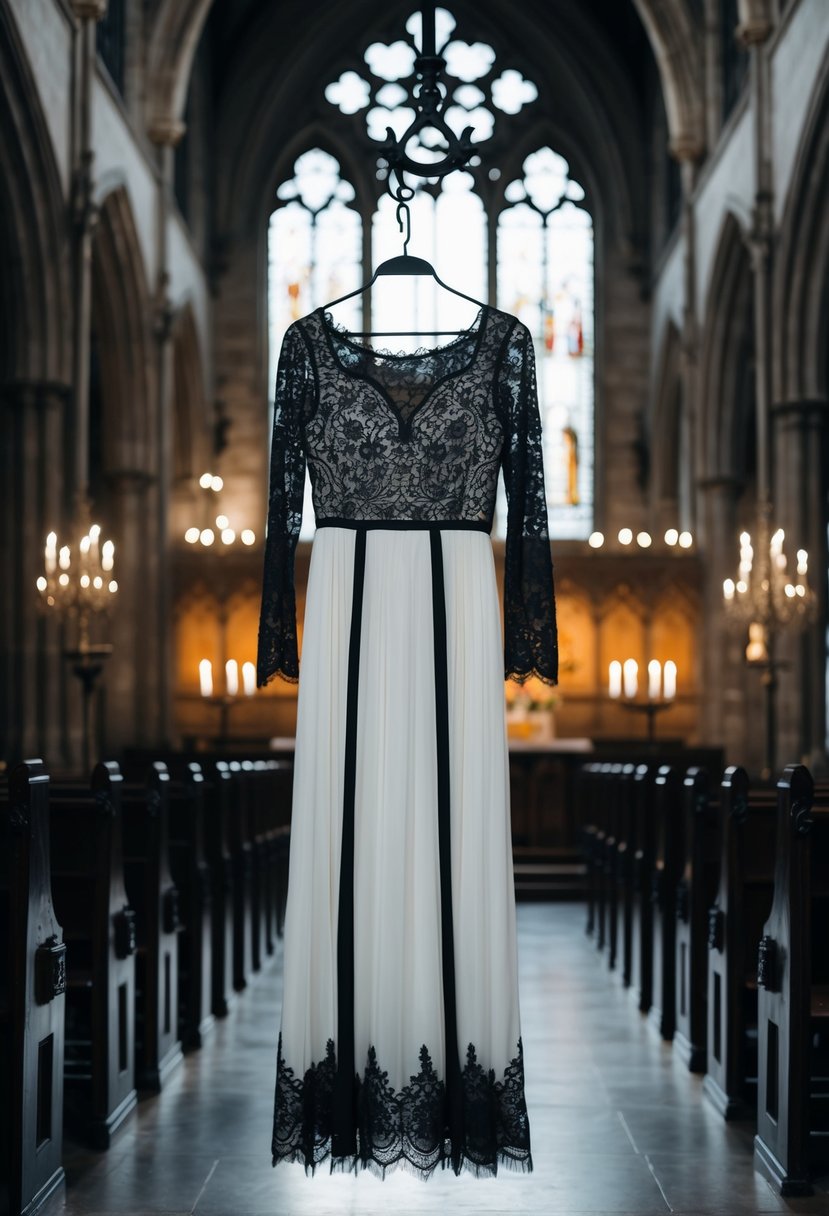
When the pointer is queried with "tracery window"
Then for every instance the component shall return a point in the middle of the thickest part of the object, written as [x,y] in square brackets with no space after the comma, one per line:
[533,223]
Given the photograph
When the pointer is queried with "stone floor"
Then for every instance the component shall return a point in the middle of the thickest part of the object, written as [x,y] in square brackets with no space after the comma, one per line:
[618,1126]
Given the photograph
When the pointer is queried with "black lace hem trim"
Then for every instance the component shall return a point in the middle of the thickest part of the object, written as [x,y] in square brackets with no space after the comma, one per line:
[406,1129]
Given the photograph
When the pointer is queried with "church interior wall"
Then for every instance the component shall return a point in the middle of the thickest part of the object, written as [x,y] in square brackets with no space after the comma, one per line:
[797,61]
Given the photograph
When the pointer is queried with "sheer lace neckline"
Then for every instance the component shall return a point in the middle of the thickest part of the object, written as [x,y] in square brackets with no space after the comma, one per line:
[334,329]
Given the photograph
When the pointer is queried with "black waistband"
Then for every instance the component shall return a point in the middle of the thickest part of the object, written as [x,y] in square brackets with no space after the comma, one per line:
[473,525]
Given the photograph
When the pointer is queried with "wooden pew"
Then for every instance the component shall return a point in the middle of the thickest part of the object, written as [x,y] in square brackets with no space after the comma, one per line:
[625,833]
[747,831]
[191,875]
[219,809]
[793,993]
[32,998]
[641,936]
[242,859]
[154,897]
[99,927]
[695,894]
[665,877]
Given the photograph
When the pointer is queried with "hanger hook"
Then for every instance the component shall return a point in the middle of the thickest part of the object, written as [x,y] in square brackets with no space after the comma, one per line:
[404,207]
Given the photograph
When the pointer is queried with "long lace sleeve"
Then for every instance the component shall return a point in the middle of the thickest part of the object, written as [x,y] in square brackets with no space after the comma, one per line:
[277,650]
[530,632]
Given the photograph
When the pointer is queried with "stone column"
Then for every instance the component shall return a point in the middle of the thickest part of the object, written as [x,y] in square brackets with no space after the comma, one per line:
[801,448]
[165,136]
[32,677]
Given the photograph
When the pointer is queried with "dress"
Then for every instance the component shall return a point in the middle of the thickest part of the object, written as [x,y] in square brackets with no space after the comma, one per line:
[399,1042]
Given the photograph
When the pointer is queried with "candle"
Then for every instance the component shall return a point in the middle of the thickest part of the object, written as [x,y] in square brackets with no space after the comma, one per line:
[107,555]
[728,589]
[630,673]
[232,677]
[615,679]
[669,680]
[51,552]
[94,533]
[206,677]
[654,676]
[64,557]
[249,679]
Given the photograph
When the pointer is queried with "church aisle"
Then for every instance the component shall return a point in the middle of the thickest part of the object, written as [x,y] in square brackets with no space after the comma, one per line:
[618,1126]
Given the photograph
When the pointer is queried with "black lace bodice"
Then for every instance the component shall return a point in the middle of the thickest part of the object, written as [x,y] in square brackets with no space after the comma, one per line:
[415,436]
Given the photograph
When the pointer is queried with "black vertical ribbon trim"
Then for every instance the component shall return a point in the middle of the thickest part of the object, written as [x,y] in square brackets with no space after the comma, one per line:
[343,1124]
[454,1088]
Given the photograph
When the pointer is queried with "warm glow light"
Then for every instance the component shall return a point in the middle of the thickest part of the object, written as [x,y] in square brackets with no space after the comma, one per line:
[228,536]
[790,591]
[206,480]
[669,680]
[643,539]
[685,540]
[800,589]
[630,675]
[64,558]
[222,521]
[742,587]
[232,677]
[728,589]
[51,552]
[614,686]
[42,584]
[84,580]
[216,484]
[107,555]
[191,535]
[654,679]
[113,586]
[206,536]
[625,536]
[249,679]
[206,678]
[671,536]
[84,546]
[595,540]
[802,561]
[97,582]
[64,580]
[248,537]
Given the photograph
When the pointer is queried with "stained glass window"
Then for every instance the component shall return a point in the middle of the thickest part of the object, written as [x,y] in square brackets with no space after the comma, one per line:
[545,277]
[315,248]
[536,223]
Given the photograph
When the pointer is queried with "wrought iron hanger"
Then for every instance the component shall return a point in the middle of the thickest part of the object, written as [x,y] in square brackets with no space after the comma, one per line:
[428,103]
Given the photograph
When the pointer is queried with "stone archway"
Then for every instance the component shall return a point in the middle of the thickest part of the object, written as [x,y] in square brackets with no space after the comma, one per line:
[35,347]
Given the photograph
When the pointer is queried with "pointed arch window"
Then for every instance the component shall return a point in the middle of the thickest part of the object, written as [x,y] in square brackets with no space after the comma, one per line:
[536,229]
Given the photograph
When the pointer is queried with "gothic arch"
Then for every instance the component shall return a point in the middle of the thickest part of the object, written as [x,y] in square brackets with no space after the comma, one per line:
[121,312]
[801,289]
[676,41]
[172,45]
[35,338]
[726,427]
[592,121]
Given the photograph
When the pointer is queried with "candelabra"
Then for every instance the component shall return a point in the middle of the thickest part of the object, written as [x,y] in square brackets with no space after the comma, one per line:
[766,600]
[205,534]
[78,589]
[624,679]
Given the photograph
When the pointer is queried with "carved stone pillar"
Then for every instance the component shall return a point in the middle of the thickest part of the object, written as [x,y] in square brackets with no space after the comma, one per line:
[32,678]
[725,679]
[801,485]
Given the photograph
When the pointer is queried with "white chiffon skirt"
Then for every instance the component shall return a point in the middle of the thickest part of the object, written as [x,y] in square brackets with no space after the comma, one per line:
[415,1058]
